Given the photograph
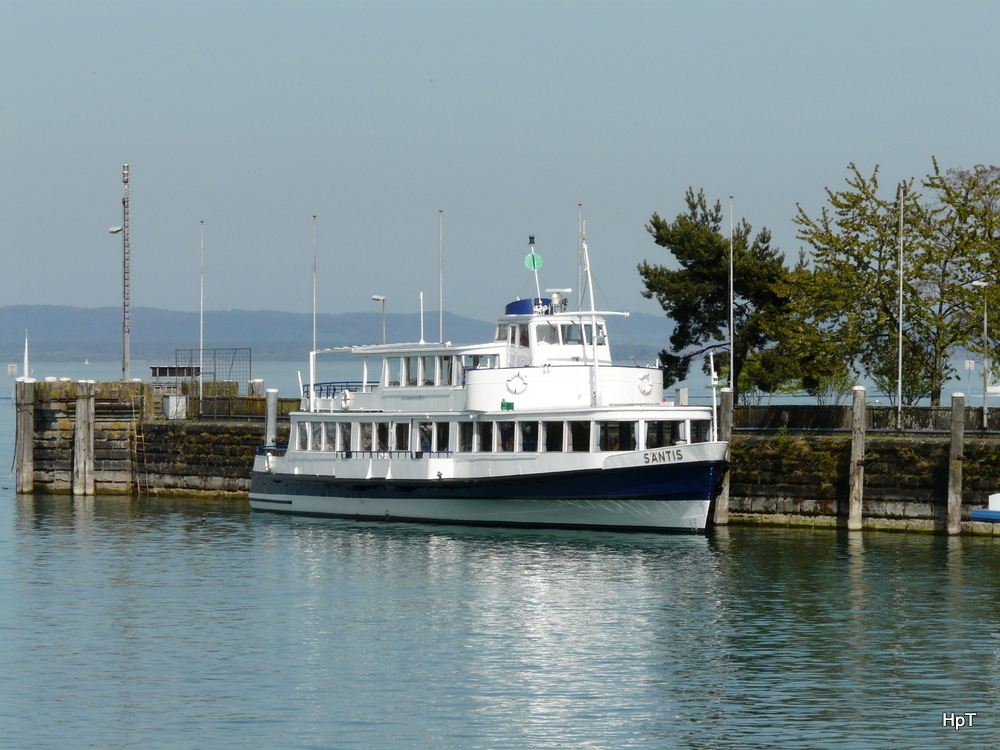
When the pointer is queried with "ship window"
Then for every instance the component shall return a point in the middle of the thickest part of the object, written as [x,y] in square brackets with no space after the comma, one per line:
[579,436]
[571,334]
[394,367]
[412,370]
[484,437]
[315,436]
[553,435]
[425,436]
[344,437]
[602,336]
[701,431]
[366,436]
[529,436]
[447,370]
[441,428]
[616,436]
[402,430]
[302,436]
[429,368]
[546,333]
[480,361]
[329,436]
[522,336]
[658,434]
[502,332]
[465,436]
[382,436]
[505,436]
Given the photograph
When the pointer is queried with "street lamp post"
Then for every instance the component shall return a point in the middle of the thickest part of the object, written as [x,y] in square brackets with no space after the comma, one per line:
[986,360]
[381,298]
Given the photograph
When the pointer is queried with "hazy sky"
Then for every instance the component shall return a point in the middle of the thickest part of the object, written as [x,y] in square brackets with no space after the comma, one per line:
[253,116]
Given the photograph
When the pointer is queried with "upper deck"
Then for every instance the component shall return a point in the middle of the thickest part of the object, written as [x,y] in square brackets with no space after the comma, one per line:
[542,357]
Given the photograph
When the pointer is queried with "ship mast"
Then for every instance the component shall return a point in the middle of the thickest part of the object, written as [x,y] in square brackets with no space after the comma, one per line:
[534,262]
[595,397]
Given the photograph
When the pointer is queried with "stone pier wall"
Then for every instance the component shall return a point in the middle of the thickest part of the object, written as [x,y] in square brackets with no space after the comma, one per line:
[803,480]
[779,474]
[134,448]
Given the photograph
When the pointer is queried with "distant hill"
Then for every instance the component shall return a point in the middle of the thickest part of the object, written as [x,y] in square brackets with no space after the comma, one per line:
[63,333]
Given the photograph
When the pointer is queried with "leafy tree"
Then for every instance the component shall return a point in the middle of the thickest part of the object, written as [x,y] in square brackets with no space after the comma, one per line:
[696,296]
[807,358]
[856,252]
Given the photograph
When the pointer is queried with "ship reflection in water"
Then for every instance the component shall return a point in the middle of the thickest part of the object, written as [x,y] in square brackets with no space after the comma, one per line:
[191,623]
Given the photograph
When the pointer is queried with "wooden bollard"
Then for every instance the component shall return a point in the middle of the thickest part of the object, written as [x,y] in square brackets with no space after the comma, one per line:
[24,439]
[857,480]
[721,517]
[955,463]
[83,439]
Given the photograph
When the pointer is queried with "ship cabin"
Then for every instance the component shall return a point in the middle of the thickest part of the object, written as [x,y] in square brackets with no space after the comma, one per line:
[545,384]
[542,356]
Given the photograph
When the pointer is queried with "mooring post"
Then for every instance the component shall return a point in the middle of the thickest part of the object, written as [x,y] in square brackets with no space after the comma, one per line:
[271,417]
[725,434]
[955,464]
[857,481]
[83,439]
[24,425]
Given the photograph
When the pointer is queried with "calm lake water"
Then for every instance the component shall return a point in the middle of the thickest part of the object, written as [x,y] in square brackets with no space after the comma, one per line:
[172,623]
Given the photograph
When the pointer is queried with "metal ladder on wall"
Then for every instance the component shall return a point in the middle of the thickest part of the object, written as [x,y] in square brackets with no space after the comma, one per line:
[139,449]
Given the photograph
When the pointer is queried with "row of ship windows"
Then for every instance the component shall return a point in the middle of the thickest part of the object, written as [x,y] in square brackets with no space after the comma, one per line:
[567,334]
[424,370]
[501,437]
[432,370]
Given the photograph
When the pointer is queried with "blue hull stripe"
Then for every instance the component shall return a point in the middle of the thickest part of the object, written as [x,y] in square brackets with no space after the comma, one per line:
[692,481]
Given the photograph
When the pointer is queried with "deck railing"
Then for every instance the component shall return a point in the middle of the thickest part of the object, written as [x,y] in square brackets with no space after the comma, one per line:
[334,389]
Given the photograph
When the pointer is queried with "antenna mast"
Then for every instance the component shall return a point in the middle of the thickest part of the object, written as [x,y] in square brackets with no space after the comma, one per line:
[579,256]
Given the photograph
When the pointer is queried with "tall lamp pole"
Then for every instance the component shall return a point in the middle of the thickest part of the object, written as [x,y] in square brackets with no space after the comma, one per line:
[901,196]
[986,360]
[314,282]
[441,276]
[732,298]
[126,315]
[381,298]
[201,319]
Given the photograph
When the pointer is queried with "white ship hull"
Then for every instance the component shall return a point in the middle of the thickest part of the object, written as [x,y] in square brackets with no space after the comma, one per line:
[630,515]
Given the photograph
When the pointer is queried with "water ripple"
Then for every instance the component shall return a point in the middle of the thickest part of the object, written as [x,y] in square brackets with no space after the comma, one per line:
[174,623]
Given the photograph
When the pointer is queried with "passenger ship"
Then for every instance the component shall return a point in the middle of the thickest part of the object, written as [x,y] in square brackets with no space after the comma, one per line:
[537,428]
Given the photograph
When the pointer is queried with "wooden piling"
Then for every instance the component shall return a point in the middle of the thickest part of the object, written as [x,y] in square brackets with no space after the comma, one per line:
[955,464]
[271,417]
[83,439]
[857,479]
[24,453]
[721,517]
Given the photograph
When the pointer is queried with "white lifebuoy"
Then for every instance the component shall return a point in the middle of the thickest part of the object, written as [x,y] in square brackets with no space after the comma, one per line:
[645,385]
[517,384]
[345,399]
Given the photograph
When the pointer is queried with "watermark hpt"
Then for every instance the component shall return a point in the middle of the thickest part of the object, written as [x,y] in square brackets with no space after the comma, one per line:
[959,721]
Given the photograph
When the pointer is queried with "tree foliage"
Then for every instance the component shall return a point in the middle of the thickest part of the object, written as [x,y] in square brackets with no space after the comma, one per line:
[696,295]
[861,269]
